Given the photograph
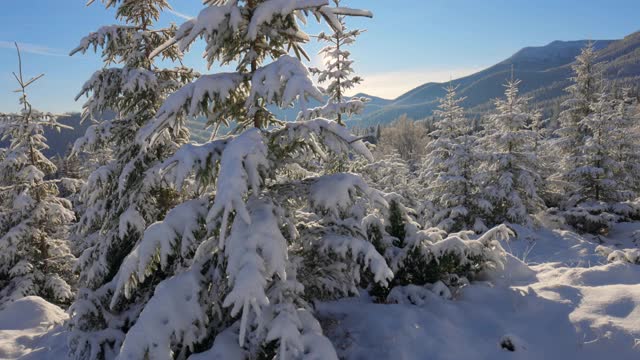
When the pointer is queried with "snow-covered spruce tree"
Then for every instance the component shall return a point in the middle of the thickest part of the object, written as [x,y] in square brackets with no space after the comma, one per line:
[626,147]
[231,273]
[338,73]
[115,205]
[572,134]
[34,257]
[597,177]
[591,175]
[603,179]
[449,171]
[510,175]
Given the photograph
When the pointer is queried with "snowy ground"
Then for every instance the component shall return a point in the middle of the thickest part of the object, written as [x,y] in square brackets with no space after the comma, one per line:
[566,302]
[31,328]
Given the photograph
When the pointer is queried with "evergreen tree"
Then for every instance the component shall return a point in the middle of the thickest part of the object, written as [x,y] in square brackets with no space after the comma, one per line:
[115,204]
[598,160]
[233,271]
[338,73]
[429,262]
[596,178]
[626,147]
[449,170]
[34,257]
[573,134]
[510,177]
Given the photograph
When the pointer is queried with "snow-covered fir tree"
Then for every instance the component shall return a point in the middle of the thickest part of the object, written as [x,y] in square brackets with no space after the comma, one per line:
[115,205]
[573,134]
[339,75]
[449,171]
[626,147]
[34,256]
[232,272]
[510,178]
[597,177]
[598,160]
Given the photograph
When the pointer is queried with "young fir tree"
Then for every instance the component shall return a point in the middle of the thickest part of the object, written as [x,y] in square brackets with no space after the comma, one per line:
[449,170]
[597,177]
[34,257]
[510,175]
[338,73]
[115,204]
[573,134]
[232,273]
[429,262]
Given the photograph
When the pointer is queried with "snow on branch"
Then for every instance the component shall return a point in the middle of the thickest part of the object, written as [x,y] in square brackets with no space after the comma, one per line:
[101,37]
[240,171]
[360,250]
[336,193]
[299,334]
[189,158]
[256,251]
[345,11]
[206,95]
[172,317]
[216,21]
[350,107]
[268,10]
[281,83]
[160,241]
[333,136]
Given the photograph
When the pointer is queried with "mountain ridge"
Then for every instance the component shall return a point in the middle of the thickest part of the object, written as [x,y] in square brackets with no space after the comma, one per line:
[544,71]
[540,68]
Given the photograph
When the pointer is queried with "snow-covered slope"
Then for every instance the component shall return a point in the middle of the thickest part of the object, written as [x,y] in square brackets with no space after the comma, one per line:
[556,298]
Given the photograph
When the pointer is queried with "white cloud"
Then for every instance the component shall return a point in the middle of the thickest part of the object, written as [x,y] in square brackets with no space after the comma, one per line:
[390,85]
[32,48]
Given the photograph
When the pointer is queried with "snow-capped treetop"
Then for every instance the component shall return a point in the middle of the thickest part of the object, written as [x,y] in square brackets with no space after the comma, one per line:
[586,87]
[257,36]
[338,73]
[452,121]
[512,113]
[587,81]
[130,45]
[135,12]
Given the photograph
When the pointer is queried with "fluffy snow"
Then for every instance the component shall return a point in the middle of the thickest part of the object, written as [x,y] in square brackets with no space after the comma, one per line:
[31,328]
[564,301]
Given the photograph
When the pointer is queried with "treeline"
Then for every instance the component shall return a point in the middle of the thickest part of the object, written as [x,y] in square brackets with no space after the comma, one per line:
[579,166]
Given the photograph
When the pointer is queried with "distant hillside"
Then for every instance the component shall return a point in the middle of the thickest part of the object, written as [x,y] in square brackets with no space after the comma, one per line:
[544,72]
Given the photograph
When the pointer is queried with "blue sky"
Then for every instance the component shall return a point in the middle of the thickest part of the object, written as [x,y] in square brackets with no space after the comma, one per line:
[409,42]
